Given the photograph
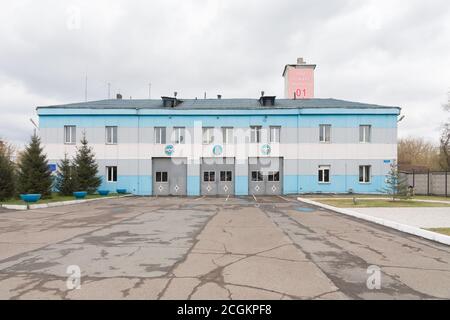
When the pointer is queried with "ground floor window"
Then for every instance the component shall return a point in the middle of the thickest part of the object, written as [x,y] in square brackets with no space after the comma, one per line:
[226,176]
[364,174]
[161,176]
[257,176]
[209,176]
[111,174]
[273,176]
[324,174]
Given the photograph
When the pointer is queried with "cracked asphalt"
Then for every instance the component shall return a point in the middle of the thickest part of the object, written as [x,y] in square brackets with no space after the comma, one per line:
[212,248]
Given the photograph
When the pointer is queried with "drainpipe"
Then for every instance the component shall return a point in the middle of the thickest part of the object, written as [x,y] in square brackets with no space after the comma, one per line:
[138,153]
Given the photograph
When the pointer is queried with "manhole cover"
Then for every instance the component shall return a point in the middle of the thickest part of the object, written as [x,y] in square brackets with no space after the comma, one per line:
[305,209]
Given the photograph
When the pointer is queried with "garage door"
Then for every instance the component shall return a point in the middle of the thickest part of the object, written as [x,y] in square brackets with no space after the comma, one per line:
[217,176]
[265,176]
[169,176]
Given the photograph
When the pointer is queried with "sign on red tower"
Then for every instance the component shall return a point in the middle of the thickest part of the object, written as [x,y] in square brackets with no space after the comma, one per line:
[299,80]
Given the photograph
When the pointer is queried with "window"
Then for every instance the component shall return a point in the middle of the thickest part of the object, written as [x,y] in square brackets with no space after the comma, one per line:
[160,135]
[273,176]
[226,176]
[208,135]
[70,134]
[209,176]
[325,133]
[257,176]
[275,134]
[111,174]
[255,134]
[161,176]
[111,135]
[179,135]
[365,133]
[324,174]
[364,174]
[227,134]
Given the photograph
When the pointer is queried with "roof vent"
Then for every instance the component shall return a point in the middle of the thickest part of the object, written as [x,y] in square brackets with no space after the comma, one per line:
[119,96]
[219,96]
[267,101]
[301,61]
[170,102]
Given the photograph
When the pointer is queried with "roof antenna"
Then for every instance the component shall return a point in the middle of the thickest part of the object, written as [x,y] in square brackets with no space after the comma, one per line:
[150,90]
[204,97]
[295,95]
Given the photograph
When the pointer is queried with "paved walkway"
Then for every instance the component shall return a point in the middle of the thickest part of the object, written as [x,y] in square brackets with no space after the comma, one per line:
[432,217]
[212,248]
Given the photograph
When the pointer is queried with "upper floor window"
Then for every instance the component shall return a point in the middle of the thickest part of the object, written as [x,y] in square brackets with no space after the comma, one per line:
[70,135]
[255,134]
[325,133]
[111,135]
[208,135]
[179,133]
[364,174]
[227,134]
[160,135]
[365,132]
[275,134]
[324,174]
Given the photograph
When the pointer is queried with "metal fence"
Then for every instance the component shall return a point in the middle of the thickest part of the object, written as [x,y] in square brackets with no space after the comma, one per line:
[429,182]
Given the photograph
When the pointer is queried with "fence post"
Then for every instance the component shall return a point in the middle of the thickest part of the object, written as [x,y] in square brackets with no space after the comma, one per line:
[446,184]
[414,179]
[428,183]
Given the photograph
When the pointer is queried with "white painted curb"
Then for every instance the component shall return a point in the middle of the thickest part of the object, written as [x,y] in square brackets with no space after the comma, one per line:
[57,204]
[441,238]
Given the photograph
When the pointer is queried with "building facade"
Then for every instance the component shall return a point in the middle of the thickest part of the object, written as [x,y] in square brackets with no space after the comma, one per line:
[264,146]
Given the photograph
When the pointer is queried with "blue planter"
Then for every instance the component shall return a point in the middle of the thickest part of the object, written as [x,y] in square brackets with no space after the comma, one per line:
[103,192]
[121,191]
[30,198]
[80,194]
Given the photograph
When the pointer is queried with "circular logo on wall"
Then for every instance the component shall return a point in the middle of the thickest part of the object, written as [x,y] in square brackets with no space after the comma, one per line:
[169,150]
[217,150]
[266,149]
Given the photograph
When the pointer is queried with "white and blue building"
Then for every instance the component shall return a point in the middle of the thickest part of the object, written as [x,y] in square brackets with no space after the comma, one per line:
[194,147]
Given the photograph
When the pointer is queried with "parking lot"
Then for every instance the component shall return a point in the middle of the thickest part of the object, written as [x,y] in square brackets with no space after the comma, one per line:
[212,248]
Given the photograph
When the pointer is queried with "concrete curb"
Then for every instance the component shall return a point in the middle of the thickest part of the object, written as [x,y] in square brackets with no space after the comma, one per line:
[416,200]
[57,204]
[441,238]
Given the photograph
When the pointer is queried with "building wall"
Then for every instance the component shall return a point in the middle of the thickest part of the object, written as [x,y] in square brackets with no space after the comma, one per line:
[299,146]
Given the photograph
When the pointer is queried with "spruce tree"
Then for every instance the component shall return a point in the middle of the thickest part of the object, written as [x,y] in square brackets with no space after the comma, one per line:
[34,175]
[86,168]
[66,180]
[396,185]
[7,181]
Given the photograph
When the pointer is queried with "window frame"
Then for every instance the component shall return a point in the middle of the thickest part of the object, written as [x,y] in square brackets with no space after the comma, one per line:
[278,135]
[161,177]
[158,132]
[72,133]
[179,132]
[273,176]
[366,174]
[111,177]
[259,176]
[228,178]
[209,174]
[225,138]
[321,170]
[210,135]
[113,134]
[255,134]
[323,133]
[363,134]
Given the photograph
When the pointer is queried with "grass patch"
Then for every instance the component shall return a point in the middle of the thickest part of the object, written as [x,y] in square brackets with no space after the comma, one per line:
[363,196]
[361,203]
[55,198]
[445,231]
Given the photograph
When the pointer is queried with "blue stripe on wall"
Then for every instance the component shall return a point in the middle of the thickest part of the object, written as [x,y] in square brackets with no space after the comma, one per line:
[305,121]
[193,185]
[139,185]
[241,185]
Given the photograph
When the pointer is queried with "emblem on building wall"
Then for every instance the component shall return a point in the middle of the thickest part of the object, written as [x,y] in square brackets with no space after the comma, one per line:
[266,149]
[217,150]
[169,150]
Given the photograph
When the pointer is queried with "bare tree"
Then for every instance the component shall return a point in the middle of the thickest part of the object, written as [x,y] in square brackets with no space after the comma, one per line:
[418,152]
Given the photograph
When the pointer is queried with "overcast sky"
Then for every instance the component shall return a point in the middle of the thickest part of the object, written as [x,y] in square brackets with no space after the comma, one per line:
[393,52]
